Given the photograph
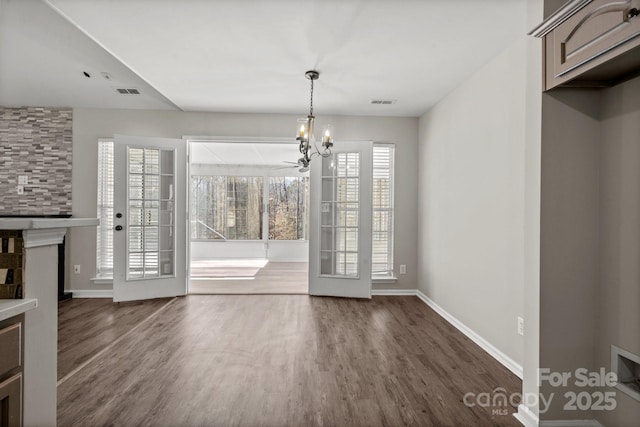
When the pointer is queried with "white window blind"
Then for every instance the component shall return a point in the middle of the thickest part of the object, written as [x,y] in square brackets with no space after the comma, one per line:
[382,239]
[104,253]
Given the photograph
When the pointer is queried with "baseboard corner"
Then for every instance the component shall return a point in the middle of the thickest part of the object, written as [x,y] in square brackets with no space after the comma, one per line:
[526,417]
[505,360]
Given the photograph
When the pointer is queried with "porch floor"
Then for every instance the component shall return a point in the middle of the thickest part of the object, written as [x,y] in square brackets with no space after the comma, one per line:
[248,276]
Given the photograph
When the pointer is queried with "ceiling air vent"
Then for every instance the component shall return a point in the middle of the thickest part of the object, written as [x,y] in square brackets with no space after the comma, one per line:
[383,101]
[125,91]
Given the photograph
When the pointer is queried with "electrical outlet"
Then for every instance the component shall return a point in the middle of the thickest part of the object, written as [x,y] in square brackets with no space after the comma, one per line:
[76,269]
[20,189]
[520,325]
[403,269]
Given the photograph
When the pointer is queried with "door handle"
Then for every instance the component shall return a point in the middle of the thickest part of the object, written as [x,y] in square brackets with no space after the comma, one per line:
[118,228]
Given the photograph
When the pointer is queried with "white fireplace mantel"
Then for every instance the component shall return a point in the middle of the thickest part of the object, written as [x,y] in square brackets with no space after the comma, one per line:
[35,223]
[41,237]
[44,231]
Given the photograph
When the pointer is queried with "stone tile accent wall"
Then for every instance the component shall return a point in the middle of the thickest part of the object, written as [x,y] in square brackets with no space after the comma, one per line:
[36,142]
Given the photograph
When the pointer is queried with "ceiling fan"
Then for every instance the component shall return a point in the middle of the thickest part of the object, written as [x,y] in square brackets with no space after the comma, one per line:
[302,164]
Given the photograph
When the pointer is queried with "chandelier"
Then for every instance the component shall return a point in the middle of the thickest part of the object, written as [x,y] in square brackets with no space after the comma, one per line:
[305,132]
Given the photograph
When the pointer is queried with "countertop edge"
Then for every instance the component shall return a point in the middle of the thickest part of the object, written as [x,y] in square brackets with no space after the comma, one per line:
[14,307]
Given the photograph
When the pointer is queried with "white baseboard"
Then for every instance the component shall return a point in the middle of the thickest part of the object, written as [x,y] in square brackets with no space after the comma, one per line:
[526,417]
[396,292]
[508,363]
[570,423]
[91,293]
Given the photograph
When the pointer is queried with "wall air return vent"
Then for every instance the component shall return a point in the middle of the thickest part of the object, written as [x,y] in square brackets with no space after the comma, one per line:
[127,91]
[626,365]
[383,101]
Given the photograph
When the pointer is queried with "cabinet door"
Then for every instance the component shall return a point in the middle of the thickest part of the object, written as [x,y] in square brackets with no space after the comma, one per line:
[11,401]
[10,349]
[598,28]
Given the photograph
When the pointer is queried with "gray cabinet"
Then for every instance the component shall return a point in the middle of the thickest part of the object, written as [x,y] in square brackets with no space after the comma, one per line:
[591,43]
[11,360]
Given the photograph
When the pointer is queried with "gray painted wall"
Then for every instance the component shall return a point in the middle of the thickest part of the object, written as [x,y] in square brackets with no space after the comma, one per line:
[91,124]
[590,238]
[569,238]
[36,142]
[472,194]
[618,296]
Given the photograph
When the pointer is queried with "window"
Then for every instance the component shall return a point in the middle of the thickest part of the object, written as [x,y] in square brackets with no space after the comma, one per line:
[104,255]
[382,238]
[231,208]
[288,207]
[226,207]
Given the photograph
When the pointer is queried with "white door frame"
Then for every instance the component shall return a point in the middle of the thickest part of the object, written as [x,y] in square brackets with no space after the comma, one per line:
[127,288]
[338,285]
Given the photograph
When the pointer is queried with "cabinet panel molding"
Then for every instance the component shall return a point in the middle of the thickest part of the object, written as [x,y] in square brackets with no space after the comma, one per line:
[582,39]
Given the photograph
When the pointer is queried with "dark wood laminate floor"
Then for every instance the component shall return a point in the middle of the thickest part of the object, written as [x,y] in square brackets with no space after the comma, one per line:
[287,360]
[87,326]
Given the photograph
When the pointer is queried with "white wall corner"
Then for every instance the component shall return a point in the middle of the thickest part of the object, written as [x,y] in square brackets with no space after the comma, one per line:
[505,360]
[526,417]
[91,293]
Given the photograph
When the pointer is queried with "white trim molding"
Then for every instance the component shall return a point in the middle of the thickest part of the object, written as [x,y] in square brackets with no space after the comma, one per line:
[526,417]
[570,423]
[505,360]
[34,238]
[102,280]
[394,292]
[91,293]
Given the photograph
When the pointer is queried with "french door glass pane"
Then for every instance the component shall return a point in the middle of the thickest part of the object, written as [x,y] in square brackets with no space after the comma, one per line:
[339,225]
[150,225]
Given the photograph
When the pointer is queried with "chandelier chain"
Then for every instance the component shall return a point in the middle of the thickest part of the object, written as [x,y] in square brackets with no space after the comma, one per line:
[311,103]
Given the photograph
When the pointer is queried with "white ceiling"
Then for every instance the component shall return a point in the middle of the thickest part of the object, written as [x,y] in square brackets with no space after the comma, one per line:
[43,57]
[251,55]
[240,153]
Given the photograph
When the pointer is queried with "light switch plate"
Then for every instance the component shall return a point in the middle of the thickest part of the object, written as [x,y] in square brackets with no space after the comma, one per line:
[20,189]
[520,325]
[23,179]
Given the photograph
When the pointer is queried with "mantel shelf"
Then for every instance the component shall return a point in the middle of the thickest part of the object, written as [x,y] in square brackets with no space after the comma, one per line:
[44,231]
[28,223]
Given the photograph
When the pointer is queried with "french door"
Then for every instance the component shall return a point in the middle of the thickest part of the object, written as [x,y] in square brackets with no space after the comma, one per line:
[340,222]
[150,218]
